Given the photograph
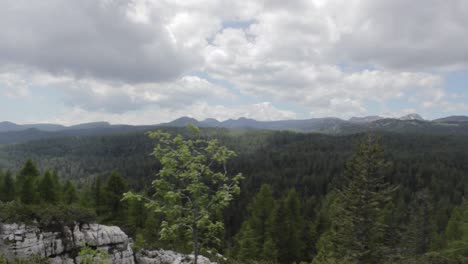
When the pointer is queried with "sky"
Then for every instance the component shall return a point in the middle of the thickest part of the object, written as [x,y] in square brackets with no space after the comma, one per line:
[152,61]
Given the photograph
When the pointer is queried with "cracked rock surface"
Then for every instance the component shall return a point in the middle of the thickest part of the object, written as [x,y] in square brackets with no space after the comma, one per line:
[23,241]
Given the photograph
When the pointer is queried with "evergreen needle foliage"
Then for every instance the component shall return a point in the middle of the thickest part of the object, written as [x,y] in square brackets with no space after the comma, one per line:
[356,234]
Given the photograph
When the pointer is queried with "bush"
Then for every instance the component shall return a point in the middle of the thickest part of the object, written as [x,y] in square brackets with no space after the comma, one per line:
[93,256]
[50,217]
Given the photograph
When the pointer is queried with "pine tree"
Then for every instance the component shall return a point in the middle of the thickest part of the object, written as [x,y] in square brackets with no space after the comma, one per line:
[28,194]
[288,227]
[8,189]
[69,193]
[2,175]
[247,243]
[29,170]
[114,190]
[454,230]
[256,232]
[27,180]
[96,192]
[421,226]
[356,231]
[137,215]
[47,189]
[57,184]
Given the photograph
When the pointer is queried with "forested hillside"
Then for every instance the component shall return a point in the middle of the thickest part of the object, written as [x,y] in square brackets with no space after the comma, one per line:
[293,187]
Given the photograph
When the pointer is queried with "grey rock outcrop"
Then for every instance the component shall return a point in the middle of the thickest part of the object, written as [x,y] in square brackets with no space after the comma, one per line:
[21,241]
[167,257]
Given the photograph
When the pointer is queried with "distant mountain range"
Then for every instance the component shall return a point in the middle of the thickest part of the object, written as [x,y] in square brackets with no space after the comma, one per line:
[412,123]
[9,126]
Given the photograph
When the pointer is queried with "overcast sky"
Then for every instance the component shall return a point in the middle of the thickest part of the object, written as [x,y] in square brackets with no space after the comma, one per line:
[146,62]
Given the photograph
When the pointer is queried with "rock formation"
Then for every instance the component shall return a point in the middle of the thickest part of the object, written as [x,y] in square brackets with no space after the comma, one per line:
[22,241]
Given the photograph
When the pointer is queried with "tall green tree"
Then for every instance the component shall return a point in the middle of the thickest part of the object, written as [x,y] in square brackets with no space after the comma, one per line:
[456,235]
[192,188]
[255,239]
[28,193]
[114,190]
[29,170]
[47,189]
[357,230]
[288,228]
[8,188]
[97,196]
[26,182]
[2,175]
[421,226]
[69,195]
[137,215]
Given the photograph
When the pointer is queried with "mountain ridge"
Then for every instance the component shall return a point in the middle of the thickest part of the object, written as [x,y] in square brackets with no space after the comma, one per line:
[242,122]
[11,133]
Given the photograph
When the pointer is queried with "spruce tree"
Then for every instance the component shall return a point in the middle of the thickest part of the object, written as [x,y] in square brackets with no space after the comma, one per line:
[8,189]
[454,230]
[28,194]
[29,170]
[137,215]
[2,175]
[57,184]
[96,192]
[248,245]
[421,226]
[288,227]
[114,190]
[47,189]
[255,240]
[26,181]
[356,230]
[69,193]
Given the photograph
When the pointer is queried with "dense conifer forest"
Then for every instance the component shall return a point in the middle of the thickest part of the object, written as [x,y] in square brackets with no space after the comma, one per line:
[311,198]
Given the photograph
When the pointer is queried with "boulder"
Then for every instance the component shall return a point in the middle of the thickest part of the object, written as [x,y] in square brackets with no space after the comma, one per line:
[167,257]
[21,241]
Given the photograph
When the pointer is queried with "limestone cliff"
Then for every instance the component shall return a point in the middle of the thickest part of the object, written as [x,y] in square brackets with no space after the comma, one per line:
[22,241]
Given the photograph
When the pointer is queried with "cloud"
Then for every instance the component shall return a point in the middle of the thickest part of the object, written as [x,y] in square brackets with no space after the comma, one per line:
[94,38]
[119,57]
[12,86]
[322,87]
[115,97]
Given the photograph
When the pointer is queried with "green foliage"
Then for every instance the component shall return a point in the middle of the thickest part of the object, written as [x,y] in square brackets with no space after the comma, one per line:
[94,256]
[421,226]
[288,227]
[255,239]
[140,242]
[70,195]
[356,231]
[47,216]
[430,170]
[28,194]
[192,189]
[97,195]
[114,189]
[29,170]
[48,189]
[7,187]
[455,238]
[137,216]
